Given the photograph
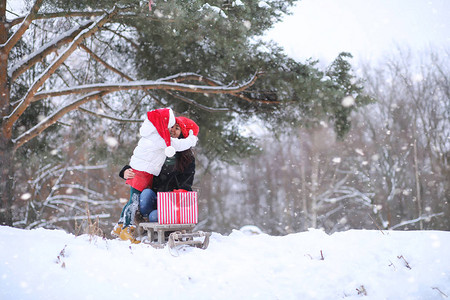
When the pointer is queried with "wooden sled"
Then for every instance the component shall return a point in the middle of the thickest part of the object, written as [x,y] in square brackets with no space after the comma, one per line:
[158,235]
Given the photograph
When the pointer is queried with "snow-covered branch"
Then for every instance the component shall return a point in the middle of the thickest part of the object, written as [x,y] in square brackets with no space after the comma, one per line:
[58,199]
[17,35]
[53,118]
[113,69]
[181,77]
[421,218]
[25,102]
[110,117]
[48,169]
[146,85]
[201,106]
[41,223]
[340,191]
[62,14]
[37,56]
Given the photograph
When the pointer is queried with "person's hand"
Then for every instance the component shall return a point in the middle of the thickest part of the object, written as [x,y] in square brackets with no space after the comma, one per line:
[128,174]
[193,138]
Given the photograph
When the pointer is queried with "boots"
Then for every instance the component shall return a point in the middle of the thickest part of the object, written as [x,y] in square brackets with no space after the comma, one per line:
[117,229]
[128,234]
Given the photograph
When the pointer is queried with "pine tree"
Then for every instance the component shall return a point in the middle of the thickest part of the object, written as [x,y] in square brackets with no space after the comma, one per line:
[64,59]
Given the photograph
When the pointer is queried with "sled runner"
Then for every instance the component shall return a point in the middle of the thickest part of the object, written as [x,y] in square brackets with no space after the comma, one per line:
[158,235]
[183,238]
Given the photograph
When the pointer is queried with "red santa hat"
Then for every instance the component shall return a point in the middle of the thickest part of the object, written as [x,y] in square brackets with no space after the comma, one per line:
[163,119]
[186,125]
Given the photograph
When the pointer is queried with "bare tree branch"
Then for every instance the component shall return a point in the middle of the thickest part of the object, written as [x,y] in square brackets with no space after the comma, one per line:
[421,218]
[65,219]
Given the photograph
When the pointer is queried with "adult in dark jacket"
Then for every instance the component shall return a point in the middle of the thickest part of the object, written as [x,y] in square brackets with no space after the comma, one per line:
[177,173]
[174,175]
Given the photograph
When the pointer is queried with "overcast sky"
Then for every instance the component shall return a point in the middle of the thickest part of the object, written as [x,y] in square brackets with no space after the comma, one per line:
[368,29]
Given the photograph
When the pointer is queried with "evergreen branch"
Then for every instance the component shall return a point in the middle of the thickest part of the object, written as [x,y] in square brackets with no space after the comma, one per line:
[136,46]
[17,35]
[38,55]
[20,109]
[253,100]
[53,118]
[104,63]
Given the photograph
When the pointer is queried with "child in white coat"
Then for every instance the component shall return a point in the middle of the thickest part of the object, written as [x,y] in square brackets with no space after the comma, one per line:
[155,144]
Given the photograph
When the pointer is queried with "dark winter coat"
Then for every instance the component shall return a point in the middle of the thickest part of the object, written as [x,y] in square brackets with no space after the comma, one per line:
[170,179]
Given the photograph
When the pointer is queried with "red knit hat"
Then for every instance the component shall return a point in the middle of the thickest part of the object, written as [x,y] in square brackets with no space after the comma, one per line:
[186,125]
[162,119]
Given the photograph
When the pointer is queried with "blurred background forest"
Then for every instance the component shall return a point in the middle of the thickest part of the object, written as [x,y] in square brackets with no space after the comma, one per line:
[338,147]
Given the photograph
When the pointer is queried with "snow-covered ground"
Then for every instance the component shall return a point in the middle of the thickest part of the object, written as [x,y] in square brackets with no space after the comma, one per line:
[357,264]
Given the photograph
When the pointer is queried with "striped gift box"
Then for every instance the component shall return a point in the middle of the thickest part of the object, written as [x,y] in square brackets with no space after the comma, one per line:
[178,207]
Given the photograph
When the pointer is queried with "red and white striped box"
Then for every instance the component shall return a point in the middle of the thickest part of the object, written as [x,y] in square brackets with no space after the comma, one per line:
[178,207]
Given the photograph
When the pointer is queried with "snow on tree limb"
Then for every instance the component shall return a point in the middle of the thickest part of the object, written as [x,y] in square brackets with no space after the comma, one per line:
[37,56]
[110,117]
[201,106]
[146,85]
[180,77]
[62,14]
[20,109]
[16,36]
[193,76]
[53,118]
[421,218]
[40,223]
[96,91]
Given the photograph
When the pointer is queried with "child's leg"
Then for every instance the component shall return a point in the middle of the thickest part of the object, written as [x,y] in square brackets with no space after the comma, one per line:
[132,206]
[119,226]
[122,214]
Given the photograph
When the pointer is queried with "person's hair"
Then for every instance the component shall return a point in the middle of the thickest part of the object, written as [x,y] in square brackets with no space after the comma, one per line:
[183,158]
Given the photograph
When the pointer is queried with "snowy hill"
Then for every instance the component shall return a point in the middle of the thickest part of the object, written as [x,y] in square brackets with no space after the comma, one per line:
[357,264]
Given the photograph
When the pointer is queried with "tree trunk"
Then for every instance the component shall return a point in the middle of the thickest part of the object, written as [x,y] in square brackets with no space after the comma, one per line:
[6,181]
[418,197]
[314,186]
[6,152]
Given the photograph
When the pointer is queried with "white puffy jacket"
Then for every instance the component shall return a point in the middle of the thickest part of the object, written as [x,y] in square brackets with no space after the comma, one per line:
[149,155]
